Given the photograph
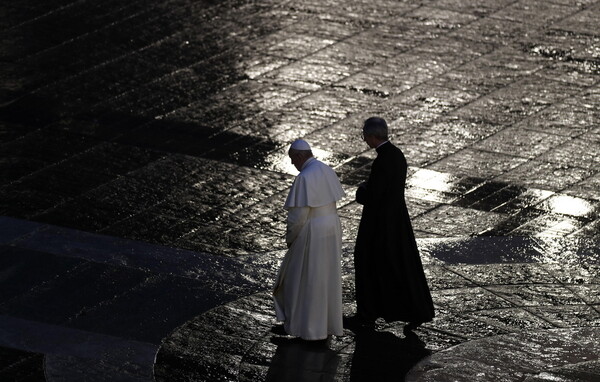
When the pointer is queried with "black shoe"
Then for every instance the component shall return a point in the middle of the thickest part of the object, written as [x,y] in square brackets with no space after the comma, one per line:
[358,322]
[279,330]
[411,326]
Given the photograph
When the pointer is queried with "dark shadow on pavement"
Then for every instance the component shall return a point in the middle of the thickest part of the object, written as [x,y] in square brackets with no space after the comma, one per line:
[296,360]
[382,356]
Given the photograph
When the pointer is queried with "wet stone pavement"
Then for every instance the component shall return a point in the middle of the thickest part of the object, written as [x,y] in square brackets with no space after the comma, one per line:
[143,169]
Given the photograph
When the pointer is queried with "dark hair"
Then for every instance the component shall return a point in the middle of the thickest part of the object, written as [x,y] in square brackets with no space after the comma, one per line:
[376,127]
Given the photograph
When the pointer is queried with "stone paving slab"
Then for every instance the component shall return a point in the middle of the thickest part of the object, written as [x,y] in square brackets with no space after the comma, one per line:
[21,365]
[525,356]
[91,282]
[471,305]
[70,353]
[482,326]
[96,307]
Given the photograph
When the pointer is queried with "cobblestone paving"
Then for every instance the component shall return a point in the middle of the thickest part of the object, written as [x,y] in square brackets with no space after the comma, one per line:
[516,304]
[165,125]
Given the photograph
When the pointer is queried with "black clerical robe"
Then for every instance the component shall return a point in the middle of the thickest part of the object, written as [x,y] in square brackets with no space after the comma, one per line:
[390,282]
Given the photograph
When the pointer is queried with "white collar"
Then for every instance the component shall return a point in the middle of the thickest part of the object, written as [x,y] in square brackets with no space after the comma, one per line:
[307,162]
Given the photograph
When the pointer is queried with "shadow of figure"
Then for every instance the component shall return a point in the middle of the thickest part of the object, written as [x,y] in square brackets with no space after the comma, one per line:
[296,360]
[382,356]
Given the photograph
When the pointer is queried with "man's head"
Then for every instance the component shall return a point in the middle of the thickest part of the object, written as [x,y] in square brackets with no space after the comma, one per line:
[375,131]
[299,153]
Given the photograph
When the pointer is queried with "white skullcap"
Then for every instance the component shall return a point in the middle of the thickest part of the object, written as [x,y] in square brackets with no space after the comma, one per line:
[300,144]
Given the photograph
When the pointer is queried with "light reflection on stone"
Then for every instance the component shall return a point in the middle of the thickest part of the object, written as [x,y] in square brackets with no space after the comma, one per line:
[568,205]
[509,249]
[432,180]
[521,354]
[433,186]
[533,195]
[430,195]
[565,251]
[560,229]
[280,161]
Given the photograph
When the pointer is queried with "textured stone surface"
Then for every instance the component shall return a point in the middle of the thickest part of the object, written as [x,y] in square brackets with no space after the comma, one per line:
[525,356]
[488,317]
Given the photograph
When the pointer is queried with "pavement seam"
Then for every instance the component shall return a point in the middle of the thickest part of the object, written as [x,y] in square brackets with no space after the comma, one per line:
[82,36]
[106,62]
[512,303]
[34,19]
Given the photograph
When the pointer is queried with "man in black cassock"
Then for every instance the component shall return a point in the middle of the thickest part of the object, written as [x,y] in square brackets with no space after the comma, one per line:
[390,282]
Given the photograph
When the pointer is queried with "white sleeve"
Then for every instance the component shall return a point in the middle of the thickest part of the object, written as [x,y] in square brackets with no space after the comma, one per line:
[295,221]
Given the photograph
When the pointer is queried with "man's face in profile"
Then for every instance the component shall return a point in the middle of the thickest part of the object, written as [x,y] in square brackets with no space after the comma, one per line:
[296,160]
[368,139]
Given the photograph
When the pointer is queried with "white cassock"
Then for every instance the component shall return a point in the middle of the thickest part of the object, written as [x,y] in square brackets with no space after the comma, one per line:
[308,288]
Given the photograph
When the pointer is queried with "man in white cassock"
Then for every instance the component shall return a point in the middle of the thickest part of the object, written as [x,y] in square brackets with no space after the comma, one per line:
[308,288]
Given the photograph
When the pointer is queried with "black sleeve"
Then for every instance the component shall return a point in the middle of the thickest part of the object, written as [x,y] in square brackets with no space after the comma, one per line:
[373,191]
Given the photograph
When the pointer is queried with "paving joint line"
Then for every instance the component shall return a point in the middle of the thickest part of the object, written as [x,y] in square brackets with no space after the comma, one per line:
[109,61]
[28,21]
[81,36]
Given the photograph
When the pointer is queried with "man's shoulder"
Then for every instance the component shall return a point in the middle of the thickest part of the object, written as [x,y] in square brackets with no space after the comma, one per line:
[314,165]
[392,154]
[389,148]
[316,169]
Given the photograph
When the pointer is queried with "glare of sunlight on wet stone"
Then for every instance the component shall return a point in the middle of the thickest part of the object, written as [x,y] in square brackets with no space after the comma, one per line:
[569,205]
[528,198]
[433,180]
[561,228]
[553,225]
[575,251]
[435,186]
[281,162]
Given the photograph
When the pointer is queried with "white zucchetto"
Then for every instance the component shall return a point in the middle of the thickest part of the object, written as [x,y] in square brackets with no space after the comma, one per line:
[300,144]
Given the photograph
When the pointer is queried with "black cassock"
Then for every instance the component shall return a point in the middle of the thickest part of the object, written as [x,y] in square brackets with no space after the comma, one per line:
[390,282]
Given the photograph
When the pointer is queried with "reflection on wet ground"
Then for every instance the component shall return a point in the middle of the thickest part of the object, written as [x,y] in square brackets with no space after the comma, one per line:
[208,316]
[302,361]
[143,146]
[497,298]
